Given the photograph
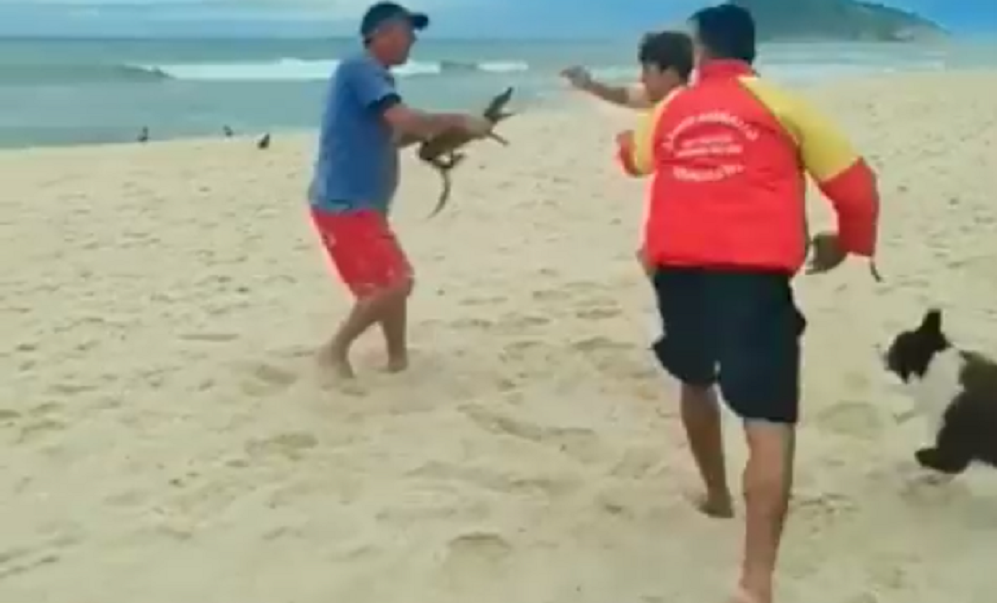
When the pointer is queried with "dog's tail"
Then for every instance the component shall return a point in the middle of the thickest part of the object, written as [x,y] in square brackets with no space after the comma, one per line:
[444,194]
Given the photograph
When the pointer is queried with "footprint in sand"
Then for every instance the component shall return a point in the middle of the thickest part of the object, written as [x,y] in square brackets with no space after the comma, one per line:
[523,321]
[40,428]
[131,498]
[267,379]
[922,487]
[548,487]
[582,444]
[518,350]
[290,445]
[45,409]
[482,301]
[71,389]
[14,568]
[486,547]
[471,323]
[853,419]
[20,560]
[506,385]
[551,295]
[474,557]
[522,345]
[209,337]
[820,508]
[637,463]
[599,344]
[599,313]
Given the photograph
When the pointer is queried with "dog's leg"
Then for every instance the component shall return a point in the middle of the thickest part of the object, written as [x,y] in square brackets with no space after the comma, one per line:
[456,159]
[498,138]
[952,452]
[936,460]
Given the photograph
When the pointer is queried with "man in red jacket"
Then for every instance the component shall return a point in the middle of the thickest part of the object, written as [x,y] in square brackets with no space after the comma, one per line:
[725,234]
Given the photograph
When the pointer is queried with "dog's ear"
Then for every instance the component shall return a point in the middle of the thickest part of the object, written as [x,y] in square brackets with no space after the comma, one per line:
[932,323]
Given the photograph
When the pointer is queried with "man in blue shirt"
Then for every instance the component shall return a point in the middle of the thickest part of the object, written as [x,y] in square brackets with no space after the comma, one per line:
[356,175]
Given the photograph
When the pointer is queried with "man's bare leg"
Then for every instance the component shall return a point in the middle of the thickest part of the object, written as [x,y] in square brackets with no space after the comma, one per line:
[362,316]
[768,479]
[394,325]
[701,418]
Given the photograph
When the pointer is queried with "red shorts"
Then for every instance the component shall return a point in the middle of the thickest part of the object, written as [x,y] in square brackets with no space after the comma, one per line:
[363,249]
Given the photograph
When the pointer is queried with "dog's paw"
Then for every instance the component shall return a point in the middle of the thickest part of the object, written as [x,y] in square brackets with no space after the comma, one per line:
[935,460]
[928,458]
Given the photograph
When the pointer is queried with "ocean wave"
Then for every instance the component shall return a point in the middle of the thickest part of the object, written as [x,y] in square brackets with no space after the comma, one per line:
[14,74]
[298,70]
[616,72]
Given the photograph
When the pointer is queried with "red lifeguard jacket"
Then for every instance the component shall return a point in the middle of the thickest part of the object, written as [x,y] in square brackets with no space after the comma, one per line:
[728,159]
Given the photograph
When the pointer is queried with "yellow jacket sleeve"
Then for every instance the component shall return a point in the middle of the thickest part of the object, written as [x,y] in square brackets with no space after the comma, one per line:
[829,158]
[637,155]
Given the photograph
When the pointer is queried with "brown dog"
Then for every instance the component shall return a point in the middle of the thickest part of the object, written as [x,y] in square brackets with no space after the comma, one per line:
[442,152]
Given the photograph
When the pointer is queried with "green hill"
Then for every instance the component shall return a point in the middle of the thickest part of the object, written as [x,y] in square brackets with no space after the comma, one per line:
[838,20]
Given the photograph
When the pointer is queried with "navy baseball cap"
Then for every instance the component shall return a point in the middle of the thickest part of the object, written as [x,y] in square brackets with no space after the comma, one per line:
[384,12]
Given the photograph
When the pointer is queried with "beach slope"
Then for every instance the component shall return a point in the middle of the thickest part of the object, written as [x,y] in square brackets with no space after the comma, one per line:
[166,438]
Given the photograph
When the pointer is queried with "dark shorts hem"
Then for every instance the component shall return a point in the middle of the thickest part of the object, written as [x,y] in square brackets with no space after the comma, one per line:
[740,330]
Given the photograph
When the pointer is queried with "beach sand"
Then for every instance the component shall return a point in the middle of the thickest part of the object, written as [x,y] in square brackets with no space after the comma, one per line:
[165,436]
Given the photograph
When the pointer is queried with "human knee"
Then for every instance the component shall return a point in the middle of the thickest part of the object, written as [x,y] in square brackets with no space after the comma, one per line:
[399,289]
[405,287]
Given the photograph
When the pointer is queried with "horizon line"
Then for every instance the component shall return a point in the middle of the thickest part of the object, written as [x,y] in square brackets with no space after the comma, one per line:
[447,37]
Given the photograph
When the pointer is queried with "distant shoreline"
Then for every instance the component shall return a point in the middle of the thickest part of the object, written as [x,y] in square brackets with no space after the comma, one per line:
[553,103]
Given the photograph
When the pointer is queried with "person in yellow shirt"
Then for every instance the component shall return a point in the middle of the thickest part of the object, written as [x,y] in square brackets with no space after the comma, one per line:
[666,61]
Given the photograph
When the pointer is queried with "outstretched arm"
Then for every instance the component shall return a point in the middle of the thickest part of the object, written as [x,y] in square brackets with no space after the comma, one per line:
[406,140]
[412,125]
[632,96]
[374,90]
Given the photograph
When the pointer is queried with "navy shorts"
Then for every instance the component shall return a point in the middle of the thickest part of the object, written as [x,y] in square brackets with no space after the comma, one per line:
[738,329]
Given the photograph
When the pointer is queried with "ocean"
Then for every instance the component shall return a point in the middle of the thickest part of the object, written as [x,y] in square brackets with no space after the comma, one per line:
[77,91]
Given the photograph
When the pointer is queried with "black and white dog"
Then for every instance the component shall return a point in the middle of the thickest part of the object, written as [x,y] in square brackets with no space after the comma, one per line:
[954,388]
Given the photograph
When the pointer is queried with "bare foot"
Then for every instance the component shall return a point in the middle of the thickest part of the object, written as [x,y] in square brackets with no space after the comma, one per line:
[742,595]
[397,363]
[337,362]
[717,507]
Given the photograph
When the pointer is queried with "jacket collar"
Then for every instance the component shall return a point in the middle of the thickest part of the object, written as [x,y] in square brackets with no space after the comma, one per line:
[723,69]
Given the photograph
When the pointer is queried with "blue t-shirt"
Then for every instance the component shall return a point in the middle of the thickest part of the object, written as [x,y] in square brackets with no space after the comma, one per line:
[357,165]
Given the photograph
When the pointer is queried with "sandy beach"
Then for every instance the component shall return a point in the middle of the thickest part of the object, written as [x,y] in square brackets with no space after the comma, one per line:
[164,435]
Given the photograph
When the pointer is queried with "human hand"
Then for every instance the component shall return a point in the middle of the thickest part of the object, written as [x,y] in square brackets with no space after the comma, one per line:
[577,76]
[826,253]
[625,139]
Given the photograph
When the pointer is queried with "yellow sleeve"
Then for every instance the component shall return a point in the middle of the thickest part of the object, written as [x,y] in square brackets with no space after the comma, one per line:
[638,160]
[839,171]
[825,152]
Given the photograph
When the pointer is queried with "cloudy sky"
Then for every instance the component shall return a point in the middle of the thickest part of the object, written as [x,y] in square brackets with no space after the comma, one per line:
[501,18]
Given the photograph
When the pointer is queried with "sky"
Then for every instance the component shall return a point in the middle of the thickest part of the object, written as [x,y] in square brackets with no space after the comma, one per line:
[451,18]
